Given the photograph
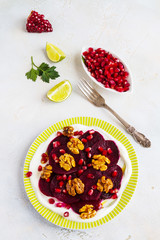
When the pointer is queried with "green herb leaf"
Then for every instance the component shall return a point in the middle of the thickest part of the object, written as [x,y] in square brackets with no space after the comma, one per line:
[83,59]
[52,73]
[32,74]
[45,77]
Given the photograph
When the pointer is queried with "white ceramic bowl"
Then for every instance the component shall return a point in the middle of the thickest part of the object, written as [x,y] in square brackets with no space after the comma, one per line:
[129,78]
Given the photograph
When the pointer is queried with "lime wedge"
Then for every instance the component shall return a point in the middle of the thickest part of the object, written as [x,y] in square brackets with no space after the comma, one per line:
[60,92]
[54,53]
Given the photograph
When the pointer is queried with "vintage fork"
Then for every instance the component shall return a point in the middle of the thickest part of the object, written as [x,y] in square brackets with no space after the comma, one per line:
[94,97]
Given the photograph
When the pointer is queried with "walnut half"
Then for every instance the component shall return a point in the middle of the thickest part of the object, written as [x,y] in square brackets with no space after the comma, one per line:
[75,145]
[75,186]
[104,185]
[87,211]
[99,162]
[66,161]
[68,131]
[46,172]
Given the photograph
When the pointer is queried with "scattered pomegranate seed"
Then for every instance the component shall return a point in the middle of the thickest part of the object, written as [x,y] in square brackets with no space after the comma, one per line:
[89,165]
[106,69]
[44,160]
[59,134]
[61,183]
[48,180]
[57,190]
[89,155]
[57,160]
[29,174]
[51,200]
[59,177]
[114,196]
[90,175]
[80,162]
[84,167]
[94,187]
[39,168]
[104,152]
[109,150]
[56,144]
[44,155]
[62,151]
[69,177]
[80,133]
[91,131]
[66,214]
[76,133]
[100,149]
[64,191]
[88,149]
[114,173]
[37,23]
[59,204]
[54,156]
[67,206]
[99,206]
[80,172]
[83,140]
[64,177]
[90,192]
[113,190]
[89,137]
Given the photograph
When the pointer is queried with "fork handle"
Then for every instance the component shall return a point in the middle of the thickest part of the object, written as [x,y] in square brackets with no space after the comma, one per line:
[139,137]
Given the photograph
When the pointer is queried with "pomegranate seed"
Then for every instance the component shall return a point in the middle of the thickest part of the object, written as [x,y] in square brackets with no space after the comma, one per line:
[100,149]
[56,144]
[76,133]
[114,196]
[67,206]
[88,149]
[83,140]
[61,183]
[69,177]
[80,172]
[59,177]
[114,173]
[59,134]
[104,152]
[113,190]
[62,151]
[109,150]
[94,187]
[90,192]
[66,214]
[44,160]
[57,190]
[59,205]
[91,131]
[90,50]
[44,155]
[85,53]
[99,206]
[39,168]
[29,174]
[89,155]
[89,137]
[84,167]
[90,176]
[48,180]
[64,177]
[89,165]
[80,133]
[64,191]
[80,162]
[51,200]
[54,156]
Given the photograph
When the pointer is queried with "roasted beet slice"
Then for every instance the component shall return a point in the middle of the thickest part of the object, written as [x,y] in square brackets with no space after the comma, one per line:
[116,180]
[90,178]
[61,139]
[114,156]
[59,194]
[44,187]
[80,204]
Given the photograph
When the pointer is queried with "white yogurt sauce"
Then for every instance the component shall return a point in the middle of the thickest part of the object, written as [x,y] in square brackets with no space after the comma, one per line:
[108,205]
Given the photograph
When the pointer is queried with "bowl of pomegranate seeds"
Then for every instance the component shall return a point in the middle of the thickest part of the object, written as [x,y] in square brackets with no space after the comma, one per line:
[106,69]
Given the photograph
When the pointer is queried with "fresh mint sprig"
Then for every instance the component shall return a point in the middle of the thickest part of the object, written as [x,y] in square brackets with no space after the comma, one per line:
[44,71]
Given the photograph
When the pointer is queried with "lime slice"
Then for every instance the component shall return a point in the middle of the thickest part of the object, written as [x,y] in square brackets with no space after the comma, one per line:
[60,92]
[54,53]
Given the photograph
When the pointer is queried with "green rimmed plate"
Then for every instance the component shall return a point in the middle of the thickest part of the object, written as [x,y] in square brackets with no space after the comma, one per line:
[127,193]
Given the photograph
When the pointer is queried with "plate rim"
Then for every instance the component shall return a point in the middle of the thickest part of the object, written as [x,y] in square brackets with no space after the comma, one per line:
[126,195]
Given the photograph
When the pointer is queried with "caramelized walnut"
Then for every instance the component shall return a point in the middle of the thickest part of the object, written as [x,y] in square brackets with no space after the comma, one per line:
[87,211]
[46,172]
[99,162]
[75,145]
[68,131]
[104,185]
[66,161]
[75,186]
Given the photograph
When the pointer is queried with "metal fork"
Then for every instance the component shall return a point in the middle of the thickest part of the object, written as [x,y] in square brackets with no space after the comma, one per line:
[94,97]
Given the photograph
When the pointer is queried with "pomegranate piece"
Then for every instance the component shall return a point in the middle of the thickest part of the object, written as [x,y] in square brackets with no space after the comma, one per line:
[84,140]
[29,174]
[114,174]
[90,192]
[88,149]
[80,162]
[37,23]
[51,200]
[39,168]
[59,205]
[48,180]
[66,214]
[89,137]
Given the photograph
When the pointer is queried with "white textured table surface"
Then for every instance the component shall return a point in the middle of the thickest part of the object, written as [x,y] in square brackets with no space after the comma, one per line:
[128,28]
